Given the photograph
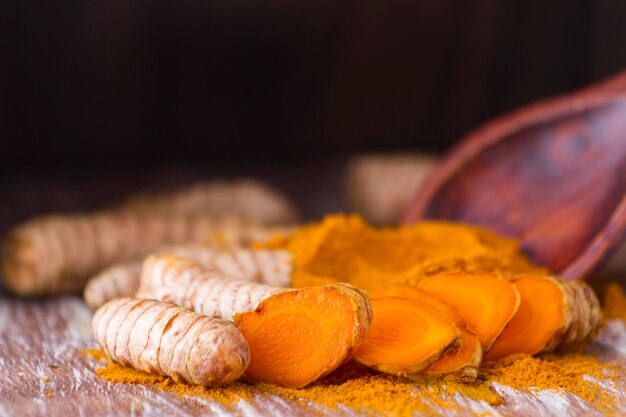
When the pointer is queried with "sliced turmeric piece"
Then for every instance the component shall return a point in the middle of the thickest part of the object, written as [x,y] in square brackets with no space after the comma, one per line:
[406,336]
[412,293]
[298,336]
[553,314]
[464,360]
[486,301]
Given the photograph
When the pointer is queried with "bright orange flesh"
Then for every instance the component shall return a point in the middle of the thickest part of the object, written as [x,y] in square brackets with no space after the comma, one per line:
[296,337]
[412,293]
[405,336]
[539,318]
[486,301]
[469,354]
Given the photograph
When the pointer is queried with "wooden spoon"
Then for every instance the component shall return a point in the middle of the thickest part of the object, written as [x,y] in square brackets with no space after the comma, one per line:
[552,174]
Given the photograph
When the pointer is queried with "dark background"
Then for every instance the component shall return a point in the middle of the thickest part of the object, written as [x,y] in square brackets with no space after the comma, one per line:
[109,89]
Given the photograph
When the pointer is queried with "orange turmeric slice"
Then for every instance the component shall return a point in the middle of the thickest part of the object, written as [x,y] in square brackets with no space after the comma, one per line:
[463,361]
[298,336]
[405,336]
[551,313]
[486,301]
[466,359]
[412,293]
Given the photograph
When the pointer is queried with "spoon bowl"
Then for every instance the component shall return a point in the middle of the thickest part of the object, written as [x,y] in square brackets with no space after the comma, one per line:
[552,175]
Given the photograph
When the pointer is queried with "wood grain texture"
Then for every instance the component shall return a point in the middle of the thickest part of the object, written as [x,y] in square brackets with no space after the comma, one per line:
[43,339]
[552,175]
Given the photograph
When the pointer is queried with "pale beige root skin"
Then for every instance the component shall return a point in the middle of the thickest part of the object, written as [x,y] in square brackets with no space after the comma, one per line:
[362,309]
[119,280]
[583,317]
[122,279]
[162,338]
[270,267]
[251,199]
[186,283]
[57,254]
[380,187]
[467,373]
[470,372]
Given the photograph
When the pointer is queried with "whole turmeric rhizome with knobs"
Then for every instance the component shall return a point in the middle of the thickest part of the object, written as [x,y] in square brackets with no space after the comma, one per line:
[435,298]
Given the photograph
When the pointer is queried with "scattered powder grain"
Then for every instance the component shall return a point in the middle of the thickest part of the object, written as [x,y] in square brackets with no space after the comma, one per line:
[95,354]
[378,394]
[561,373]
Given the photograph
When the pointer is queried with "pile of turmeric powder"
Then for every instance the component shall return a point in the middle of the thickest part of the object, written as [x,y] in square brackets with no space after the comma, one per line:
[346,249]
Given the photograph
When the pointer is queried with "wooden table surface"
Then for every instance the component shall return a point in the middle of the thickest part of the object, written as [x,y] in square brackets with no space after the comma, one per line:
[43,373]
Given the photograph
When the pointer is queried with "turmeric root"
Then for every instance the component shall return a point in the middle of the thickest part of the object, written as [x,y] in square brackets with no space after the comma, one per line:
[380,187]
[122,279]
[117,281]
[553,315]
[166,339]
[406,336]
[464,360]
[57,254]
[186,283]
[295,336]
[486,301]
[298,336]
[250,199]
[262,266]
[269,267]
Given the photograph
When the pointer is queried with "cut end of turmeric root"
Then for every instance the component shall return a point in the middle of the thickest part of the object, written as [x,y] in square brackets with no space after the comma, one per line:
[406,336]
[487,301]
[553,314]
[298,336]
